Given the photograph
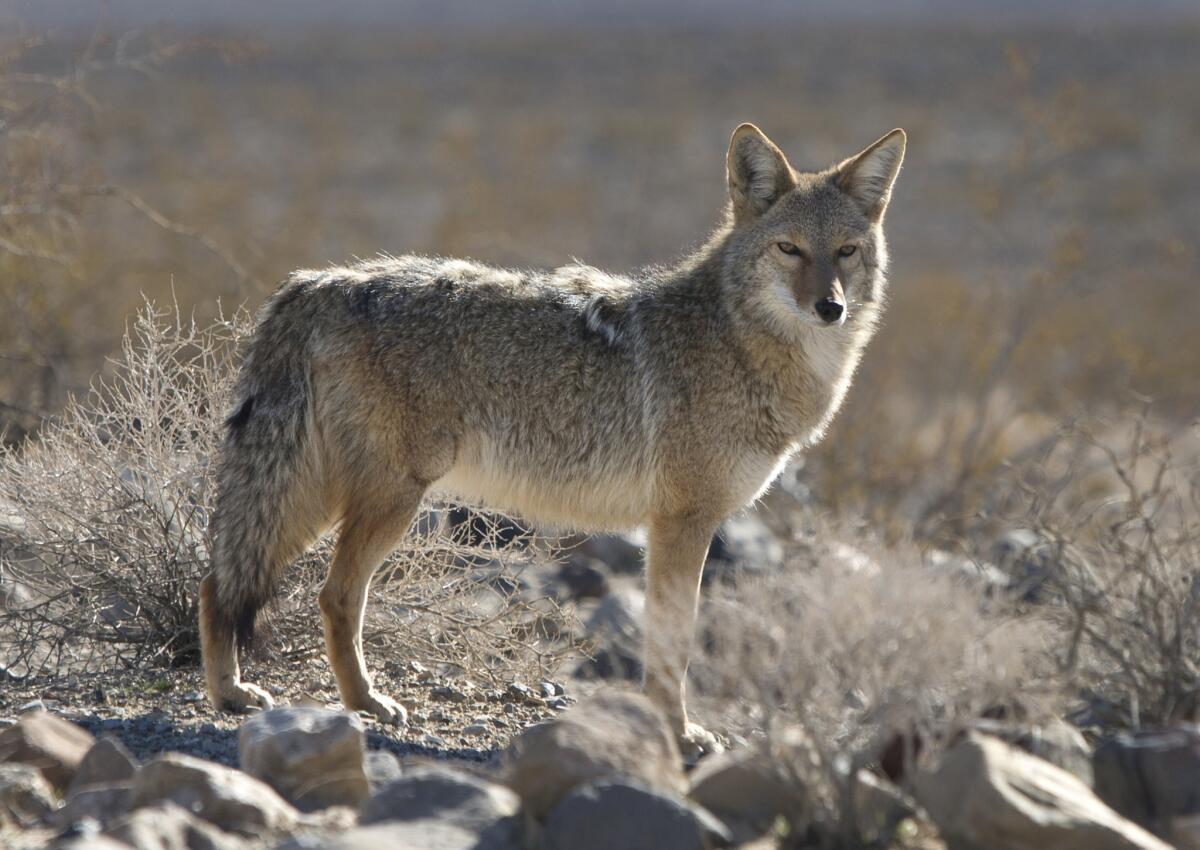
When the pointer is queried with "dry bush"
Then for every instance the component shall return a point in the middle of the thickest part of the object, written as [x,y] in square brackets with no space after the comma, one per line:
[1116,560]
[836,656]
[111,506]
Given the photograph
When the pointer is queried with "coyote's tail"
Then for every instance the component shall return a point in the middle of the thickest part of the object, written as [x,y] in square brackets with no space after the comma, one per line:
[265,490]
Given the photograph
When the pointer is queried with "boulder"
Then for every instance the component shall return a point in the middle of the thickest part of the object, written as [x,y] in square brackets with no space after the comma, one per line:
[25,796]
[744,787]
[1058,742]
[622,553]
[107,762]
[403,835]
[100,803]
[986,794]
[743,544]
[613,735]
[53,745]
[613,633]
[381,767]
[169,827]
[608,815]
[227,798]
[313,757]
[1152,777]
[438,793]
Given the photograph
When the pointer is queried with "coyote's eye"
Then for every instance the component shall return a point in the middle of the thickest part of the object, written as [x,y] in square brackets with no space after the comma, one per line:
[789,249]
[847,250]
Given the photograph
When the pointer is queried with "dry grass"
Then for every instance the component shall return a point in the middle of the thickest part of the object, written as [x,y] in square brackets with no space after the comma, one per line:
[841,654]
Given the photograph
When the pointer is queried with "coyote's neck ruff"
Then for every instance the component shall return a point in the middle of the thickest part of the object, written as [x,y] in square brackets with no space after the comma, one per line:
[666,400]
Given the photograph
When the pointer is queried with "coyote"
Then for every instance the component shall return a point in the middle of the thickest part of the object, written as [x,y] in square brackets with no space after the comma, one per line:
[664,400]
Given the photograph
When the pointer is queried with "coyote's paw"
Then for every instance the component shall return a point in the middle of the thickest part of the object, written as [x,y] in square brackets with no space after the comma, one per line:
[697,742]
[385,709]
[244,697]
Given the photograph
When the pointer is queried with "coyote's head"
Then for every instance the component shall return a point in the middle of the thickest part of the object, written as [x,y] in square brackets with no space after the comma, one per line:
[807,249]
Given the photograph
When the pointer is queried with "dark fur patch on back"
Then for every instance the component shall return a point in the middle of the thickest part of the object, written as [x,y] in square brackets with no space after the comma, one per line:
[241,416]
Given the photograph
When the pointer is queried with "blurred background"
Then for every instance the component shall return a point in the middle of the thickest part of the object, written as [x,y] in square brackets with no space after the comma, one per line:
[1044,229]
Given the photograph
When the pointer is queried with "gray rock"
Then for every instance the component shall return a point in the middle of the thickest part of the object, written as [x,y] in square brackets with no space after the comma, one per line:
[742,544]
[608,815]
[1057,742]
[990,579]
[435,792]
[227,798]
[614,633]
[621,553]
[744,787]
[381,768]
[55,746]
[581,578]
[1026,560]
[1151,777]
[405,835]
[25,795]
[169,827]
[986,793]
[614,735]
[100,803]
[107,762]
[312,756]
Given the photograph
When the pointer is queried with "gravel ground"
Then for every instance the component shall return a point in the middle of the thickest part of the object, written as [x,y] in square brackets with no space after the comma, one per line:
[155,711]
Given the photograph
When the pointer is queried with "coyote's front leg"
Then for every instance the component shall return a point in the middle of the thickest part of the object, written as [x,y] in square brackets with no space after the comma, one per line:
[675,561]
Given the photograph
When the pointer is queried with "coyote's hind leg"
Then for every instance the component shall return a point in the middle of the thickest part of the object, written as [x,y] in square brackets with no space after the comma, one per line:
[370,531]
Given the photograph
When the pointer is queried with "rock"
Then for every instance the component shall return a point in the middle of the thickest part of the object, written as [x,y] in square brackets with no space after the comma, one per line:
[312,756]
[404,835]
[986,793]
[742,544]
[621,553]
[53,745]
[1027,560]
[169,827]
[1151,777]
[1057,742]
[434,792]
[100,803]
[608,815]
[614,735]
[25,796]
[226,798]
[107,762]
[614,633]
[381,767]
[990,579]
[744,787]
[879,806]
[582,579]
[90,841]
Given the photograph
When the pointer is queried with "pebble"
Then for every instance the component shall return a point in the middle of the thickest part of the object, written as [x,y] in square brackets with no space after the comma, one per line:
[33,705]
[448,693]
[475,729]
[193,696]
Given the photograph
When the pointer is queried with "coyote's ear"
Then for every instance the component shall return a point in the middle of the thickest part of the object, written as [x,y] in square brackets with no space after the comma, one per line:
[868,177]
[758,171]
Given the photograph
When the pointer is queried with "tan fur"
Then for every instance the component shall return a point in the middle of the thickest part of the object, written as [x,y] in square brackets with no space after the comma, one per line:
[665,400]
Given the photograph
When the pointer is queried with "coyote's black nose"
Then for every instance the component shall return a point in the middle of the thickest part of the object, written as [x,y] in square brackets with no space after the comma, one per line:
[830,309]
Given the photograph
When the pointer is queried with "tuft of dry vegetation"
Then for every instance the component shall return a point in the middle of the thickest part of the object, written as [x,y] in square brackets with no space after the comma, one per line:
[841,655]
